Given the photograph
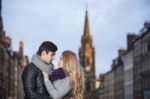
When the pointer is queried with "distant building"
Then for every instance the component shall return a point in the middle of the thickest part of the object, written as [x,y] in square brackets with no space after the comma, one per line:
[112,82]
[87,58]
[131,69]
[128,67]
[109,85]
[117,68]
[11,65]
[101,92]
[141,61]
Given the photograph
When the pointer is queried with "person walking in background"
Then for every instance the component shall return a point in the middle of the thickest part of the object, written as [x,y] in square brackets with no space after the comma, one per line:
[32,77]
[66,82]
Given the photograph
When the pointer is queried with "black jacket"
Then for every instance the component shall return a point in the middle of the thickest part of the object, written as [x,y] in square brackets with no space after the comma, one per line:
[33,83]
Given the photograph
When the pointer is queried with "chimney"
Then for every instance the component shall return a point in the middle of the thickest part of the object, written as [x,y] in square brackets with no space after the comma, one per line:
[130,38]
[7,40]
[121,51]
[21,46]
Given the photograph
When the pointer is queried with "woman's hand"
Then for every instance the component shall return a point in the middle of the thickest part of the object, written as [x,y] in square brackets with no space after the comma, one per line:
[46,76]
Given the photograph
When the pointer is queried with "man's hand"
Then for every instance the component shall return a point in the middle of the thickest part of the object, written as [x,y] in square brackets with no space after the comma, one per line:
[46,76]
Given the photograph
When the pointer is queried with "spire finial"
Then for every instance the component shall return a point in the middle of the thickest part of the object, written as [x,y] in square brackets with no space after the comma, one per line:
[0,7]
[86,6]
[86,24]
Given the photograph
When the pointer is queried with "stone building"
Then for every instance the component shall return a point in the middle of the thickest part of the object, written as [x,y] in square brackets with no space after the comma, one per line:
[128,67]
[11,65]
[109,85]
[141,61]
[117,68]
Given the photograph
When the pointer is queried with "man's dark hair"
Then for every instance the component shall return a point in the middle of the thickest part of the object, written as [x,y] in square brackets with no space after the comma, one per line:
[47,46]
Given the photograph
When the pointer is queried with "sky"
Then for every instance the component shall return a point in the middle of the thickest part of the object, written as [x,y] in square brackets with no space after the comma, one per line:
[62,22]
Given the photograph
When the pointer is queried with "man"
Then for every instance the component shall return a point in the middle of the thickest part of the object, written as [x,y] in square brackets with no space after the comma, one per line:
[32,77]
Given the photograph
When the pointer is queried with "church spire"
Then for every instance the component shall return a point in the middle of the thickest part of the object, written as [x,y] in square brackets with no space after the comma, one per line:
[86,38]
[86,24]
[87,57]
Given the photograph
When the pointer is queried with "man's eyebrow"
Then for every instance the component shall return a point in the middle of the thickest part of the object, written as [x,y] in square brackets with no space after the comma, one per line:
[53,53]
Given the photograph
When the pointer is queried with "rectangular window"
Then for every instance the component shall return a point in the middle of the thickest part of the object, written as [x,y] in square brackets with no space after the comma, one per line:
[1,57]
[148,45]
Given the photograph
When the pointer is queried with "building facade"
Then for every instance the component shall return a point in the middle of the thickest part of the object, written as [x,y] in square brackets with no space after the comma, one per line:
[128,67]
[112,86]
[128,75]
[101,87]
[131,69]
[109,85]
[141,62]
[11,65]
[117,67]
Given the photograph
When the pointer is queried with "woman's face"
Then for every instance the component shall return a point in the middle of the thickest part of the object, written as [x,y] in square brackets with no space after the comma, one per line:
[60,62]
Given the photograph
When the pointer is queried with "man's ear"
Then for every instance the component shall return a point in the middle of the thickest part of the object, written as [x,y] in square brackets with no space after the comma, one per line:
[43,53]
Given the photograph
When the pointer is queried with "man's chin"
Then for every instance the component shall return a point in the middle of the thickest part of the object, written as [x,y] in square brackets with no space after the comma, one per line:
[49,62]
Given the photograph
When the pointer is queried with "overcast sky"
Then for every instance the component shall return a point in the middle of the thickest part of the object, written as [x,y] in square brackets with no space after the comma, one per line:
[62,22]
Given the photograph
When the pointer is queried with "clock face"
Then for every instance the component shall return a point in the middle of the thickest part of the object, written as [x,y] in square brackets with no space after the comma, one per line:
[88,68]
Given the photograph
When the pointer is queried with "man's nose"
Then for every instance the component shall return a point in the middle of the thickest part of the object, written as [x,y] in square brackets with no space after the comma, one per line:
[53,57]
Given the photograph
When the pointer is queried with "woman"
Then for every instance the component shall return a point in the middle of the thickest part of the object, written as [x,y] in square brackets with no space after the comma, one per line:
[73,82]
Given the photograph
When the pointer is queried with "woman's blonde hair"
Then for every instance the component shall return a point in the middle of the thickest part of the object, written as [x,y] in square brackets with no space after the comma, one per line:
[74,70]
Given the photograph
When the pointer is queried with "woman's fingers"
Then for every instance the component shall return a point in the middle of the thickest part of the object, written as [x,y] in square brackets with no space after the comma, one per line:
[44,73]
[46,77]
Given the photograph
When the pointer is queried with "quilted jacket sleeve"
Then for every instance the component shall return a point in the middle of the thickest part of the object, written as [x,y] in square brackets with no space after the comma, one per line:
[29,84]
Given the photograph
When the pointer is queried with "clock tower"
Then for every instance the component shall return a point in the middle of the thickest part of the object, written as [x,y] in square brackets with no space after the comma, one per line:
[87,58]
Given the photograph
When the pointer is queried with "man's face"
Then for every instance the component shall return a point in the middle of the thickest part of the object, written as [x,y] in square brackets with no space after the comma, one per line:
[48,58]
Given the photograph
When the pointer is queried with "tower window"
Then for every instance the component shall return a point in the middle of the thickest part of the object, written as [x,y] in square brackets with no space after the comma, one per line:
[148,45]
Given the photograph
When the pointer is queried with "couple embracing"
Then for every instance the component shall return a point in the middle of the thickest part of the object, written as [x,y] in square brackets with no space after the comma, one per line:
[42,81]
